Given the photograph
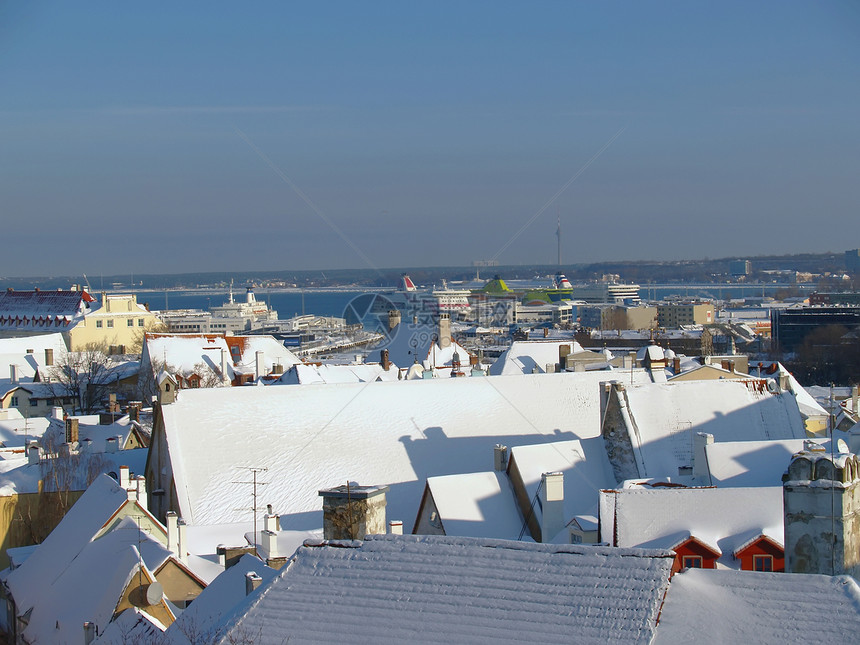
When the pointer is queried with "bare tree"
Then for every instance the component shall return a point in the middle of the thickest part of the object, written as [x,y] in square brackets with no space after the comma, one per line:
[85,375]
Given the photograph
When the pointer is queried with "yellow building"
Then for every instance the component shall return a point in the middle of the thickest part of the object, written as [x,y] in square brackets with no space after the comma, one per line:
[118,324]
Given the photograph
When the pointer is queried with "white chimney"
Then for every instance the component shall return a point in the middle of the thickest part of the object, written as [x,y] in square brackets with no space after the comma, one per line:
[13,373]
[259,372]
[252,581]
[57,413]
[552,505]
[142,498]
[700,460]
[500,458]
[33,453]
[224,365]
[271,521]
[183,541]
[269,541]
[395,527]
[124,478]
[172,532]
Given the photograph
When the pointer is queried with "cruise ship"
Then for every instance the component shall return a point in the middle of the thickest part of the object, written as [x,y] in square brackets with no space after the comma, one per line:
[410,299]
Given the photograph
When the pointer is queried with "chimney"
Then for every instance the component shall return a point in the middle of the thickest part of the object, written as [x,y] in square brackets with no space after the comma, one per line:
[546,332]
[563,353]
[258,372]
[49,356]
[393,318]
[269,544]
[395,527]
[272,522]
[65,451]
[182,529]
[552,505]
[13,373]
[500,458]
[172,532]
[700,462]
[444,331]
[351,511]
[386,364]
[110,445]
[89,632]
[140,482]
[224,376]
[252,582]
[854,399]
[33,453]
[124,478]
[71,430]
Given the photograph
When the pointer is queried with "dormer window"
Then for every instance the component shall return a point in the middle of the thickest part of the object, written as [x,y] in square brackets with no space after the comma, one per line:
[763,563]
[692,562]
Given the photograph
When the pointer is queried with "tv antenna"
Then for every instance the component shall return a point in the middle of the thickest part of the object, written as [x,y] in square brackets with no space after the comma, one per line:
[254,483]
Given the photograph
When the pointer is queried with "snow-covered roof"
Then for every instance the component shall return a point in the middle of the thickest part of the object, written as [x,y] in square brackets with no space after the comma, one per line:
[433,589]
[309,373]
[216,601]
[410,342]
[88,588]
[28,352]
[751,463]
[522,357]
[79,526]
[185,353]
[584,474]
[660,419]
[722,518]
[390,433]
[767,608]
[42,310]
[477,505]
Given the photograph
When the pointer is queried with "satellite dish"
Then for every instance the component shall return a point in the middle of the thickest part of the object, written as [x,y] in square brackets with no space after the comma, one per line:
[841,446]
[154,593]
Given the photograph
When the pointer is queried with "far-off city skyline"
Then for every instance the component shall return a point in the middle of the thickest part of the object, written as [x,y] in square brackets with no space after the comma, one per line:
[219,137]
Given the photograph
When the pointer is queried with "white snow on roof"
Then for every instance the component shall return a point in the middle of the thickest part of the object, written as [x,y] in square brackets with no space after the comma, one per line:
[410,342]
[720,517]
[82,522]
[184,353]
[755,607]
[433,589]
[309,373]
[131,626]
[584,474]
[396,433]
[751,463]
[477,505]
[28,353]
[665,416]
[107,565]
[523,356]
[216,601]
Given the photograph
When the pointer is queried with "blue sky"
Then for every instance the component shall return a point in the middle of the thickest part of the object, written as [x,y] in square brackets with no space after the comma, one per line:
[156,137]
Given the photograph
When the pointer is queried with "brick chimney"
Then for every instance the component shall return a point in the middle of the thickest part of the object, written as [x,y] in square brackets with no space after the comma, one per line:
[351,511]
[384,361]
[71,430]
[444,331]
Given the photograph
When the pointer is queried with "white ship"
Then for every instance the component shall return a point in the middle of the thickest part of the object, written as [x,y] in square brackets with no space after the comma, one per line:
[419,303]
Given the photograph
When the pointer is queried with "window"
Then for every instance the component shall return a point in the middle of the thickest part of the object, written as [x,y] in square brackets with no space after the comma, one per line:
[131,322]
[140,322]
[14,402]
[110,323]
[33,403]
[98,323]
[692,562]
[762,563]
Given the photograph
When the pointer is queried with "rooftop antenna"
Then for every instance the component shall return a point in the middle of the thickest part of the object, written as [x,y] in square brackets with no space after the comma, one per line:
[558,235]
[254,508]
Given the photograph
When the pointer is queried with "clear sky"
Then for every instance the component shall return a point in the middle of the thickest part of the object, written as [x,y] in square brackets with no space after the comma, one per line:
[140,137]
